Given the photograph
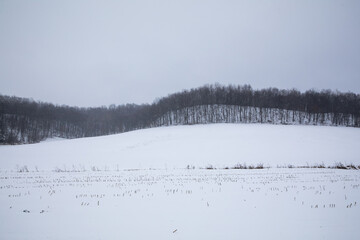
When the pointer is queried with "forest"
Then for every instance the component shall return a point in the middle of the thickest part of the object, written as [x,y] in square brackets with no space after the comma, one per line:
[27,121]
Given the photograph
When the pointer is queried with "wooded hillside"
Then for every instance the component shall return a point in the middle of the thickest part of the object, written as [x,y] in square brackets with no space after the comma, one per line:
[27,121]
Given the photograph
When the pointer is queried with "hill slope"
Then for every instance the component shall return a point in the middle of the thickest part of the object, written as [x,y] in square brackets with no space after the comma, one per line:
[26,121]
[220,145]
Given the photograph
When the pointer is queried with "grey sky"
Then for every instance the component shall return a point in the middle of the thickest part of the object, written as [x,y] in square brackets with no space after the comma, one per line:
[92,53]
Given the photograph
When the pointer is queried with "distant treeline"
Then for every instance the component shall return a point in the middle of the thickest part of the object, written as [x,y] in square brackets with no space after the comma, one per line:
[27,121]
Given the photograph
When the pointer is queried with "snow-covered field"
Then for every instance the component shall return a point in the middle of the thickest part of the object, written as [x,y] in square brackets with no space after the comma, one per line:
[220,145]
[136,185]
[181,204]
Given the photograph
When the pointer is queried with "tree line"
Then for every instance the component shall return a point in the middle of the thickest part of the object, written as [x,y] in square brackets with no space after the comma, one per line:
[26,121]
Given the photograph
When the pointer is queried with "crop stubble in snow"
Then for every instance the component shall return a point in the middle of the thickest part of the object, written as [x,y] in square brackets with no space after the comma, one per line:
[181,204]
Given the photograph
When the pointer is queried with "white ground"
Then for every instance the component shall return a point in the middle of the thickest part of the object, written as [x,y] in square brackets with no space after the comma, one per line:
[171,202]
[198,204]
[220,145]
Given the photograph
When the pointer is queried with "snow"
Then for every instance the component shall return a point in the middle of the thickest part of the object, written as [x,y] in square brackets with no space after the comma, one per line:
[54,139]
[141,189]
[220,145]
[181,204]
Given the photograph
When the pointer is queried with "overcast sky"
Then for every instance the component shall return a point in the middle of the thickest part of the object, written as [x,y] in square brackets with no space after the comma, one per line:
[93,53]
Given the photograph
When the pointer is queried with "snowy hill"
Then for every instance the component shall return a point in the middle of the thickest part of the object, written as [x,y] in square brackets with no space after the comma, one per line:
[219,145]
[26,121]
[169,203]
